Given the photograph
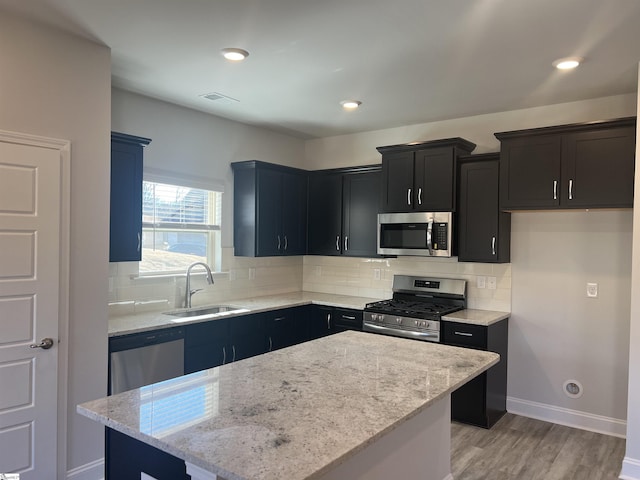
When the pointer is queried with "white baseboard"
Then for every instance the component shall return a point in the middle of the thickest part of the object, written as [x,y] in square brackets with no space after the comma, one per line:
[630,469]
[88,471]
[565,416]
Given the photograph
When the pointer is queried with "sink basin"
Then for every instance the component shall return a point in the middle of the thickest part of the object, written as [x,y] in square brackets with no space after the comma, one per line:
[209,311]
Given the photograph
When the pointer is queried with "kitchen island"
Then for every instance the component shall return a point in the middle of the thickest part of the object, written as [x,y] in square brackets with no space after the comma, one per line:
[351,405]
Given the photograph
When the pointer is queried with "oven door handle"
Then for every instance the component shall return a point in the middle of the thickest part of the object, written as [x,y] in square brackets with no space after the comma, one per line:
[396,330]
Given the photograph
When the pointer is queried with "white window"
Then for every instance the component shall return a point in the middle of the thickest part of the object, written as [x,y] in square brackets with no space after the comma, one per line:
[180,225]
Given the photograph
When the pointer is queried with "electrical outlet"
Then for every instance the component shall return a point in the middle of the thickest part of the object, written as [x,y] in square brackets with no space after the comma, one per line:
[592,290]
[481,281]
[252,273]
[491,283]
[376,274]
[232,275]
[317,270]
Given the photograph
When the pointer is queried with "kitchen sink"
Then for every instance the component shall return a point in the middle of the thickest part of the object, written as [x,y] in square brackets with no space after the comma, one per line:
[207,311]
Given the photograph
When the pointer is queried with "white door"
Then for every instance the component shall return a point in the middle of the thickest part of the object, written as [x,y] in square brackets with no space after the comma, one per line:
[30,197]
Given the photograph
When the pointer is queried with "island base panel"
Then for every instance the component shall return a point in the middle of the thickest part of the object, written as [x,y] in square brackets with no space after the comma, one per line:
[420,448]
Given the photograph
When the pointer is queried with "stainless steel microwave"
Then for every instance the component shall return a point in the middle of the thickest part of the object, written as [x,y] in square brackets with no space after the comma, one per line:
[417,233]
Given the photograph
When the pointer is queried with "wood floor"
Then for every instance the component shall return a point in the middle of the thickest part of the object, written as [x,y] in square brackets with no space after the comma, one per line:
[526,449]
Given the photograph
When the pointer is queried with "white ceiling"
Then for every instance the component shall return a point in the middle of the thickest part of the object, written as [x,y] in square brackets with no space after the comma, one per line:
[408,61]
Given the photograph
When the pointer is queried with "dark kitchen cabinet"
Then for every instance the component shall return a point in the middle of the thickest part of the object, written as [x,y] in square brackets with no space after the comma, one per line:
[483,400]
[269,210]
[206,345]
[125,225]
[421,176]
[570,166]
[484,231]
[286,327]
[246,337]
[343,211]
[326,320]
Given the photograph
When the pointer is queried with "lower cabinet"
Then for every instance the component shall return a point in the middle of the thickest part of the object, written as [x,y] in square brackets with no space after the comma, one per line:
[127,457]
[483,400]
[325,320]
[205,345]
[286,327]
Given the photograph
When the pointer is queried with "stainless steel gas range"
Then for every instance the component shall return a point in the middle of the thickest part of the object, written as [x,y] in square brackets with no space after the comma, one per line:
[416,308]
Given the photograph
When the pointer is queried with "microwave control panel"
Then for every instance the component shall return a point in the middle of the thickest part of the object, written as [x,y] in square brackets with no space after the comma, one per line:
[440,241]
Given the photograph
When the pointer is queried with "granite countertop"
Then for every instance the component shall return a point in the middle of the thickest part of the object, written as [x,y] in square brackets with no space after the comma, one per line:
[476,317]
[141,322]
[295,413]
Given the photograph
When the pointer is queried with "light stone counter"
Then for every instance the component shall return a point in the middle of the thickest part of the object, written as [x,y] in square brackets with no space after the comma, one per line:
[141,322]
[322,409]
[476,317]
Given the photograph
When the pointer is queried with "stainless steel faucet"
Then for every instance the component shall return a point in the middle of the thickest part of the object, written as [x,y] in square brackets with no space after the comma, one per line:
[189,293]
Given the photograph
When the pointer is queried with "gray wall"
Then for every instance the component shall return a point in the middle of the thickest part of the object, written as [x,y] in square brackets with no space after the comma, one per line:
[56,85]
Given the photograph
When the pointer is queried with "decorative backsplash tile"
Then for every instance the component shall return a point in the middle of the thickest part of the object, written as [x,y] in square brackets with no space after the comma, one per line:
[249,277]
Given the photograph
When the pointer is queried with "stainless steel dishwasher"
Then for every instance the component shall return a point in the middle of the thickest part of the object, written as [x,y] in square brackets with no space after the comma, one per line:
[144,358]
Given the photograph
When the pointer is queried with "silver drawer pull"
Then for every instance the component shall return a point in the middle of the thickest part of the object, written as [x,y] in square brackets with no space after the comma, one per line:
[464,334]
[348,317]
[279,319]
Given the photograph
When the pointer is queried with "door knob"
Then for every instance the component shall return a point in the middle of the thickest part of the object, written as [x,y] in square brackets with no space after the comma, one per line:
[45,344]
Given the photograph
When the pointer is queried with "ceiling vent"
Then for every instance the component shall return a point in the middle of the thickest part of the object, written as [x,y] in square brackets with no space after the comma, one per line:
[219,98]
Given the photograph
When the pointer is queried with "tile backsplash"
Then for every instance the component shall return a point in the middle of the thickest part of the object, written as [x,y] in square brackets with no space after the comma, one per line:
[252,277]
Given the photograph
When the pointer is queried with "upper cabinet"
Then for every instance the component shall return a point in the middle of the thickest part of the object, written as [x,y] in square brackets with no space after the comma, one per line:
[125,227]
[343,211]
[270,209]
[571,166]
[421,176]
[484,232]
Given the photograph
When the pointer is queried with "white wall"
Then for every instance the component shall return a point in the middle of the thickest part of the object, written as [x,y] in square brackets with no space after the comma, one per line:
[631,464]
[56,85]
[544,349]
[193,143]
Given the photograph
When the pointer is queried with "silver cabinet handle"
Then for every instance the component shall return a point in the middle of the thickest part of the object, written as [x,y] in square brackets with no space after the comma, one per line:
[328,321]
[286,243]
[233,348]
[420,196]
[349,317]
[408,196]
[279,319]
[570,189]
[346,243]
[464,334]
[338,243]
[45,344]
[278,242]
[270,343]
[555,189]
[493,245]
[224,355]
[139,241]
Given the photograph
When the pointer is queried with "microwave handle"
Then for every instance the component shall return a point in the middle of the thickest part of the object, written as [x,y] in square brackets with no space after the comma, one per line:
[430,236]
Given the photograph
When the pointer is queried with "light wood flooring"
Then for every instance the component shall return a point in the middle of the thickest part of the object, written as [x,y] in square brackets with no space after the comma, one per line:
[525,449]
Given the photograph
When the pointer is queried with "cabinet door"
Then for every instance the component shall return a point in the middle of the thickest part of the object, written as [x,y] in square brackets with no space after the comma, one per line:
[206,345]
[397,174]
[286,327]
[269,213]
[530,172]
[599,168]
[247,337]
[434,180]
[320,322]
[346,319]
[294,214]
[125,234]
[360,214]
[325,204]
[483,230]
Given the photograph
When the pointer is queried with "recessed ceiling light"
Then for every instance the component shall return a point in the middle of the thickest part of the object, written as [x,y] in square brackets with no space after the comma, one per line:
[350,104]
[567,63]
[234,54]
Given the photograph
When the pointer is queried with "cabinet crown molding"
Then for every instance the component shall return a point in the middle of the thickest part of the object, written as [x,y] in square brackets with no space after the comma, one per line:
[569,128]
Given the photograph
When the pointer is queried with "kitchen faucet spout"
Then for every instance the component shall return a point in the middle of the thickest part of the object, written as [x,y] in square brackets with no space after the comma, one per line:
[189,292]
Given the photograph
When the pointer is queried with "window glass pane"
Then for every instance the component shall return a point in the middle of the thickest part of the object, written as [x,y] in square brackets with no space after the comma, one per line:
[181,225]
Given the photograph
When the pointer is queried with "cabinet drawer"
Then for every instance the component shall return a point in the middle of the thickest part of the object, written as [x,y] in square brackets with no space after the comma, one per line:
[206,332]
[349,319]
[464,335]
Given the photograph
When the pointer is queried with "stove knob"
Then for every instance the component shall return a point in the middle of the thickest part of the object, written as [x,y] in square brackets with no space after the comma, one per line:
[424,324]
[399,321]
[379,317]
[416,323]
